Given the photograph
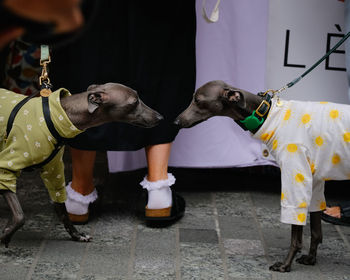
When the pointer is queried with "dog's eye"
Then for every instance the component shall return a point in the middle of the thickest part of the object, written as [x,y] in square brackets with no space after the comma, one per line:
[136,102]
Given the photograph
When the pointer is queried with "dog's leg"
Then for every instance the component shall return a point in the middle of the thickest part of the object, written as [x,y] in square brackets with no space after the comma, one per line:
[17,219]
[295,246]
[316,239]
[62,214]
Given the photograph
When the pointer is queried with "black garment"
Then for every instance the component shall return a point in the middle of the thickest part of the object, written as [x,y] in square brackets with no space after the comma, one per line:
[146,45]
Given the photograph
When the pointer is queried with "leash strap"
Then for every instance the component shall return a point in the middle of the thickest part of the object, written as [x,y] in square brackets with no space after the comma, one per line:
[49,123]
[60,140]
[44,80]
[292,83]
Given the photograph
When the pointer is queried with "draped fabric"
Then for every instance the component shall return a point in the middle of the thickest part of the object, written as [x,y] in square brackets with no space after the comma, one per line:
[234,50]
[257,45]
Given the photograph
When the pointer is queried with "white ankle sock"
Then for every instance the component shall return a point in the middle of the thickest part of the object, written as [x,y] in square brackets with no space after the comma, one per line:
[77,203]
[159,192]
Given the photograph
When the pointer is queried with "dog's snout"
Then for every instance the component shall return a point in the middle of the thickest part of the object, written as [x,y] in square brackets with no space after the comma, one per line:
[160,117]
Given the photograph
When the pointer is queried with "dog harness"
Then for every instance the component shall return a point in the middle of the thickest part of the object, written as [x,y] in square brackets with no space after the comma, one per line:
[30,141]
[311,143]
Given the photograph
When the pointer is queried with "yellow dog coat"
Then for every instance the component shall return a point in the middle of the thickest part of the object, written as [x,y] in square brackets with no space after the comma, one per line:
[30,141]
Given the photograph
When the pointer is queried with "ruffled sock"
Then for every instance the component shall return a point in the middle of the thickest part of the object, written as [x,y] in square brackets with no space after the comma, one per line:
[159,192]
[77,203]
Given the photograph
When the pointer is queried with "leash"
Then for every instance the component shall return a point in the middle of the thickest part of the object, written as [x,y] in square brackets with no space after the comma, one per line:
[257,118]
[296,80]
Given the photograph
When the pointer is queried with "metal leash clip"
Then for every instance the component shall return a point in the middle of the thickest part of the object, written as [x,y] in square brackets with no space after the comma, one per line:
[44,80]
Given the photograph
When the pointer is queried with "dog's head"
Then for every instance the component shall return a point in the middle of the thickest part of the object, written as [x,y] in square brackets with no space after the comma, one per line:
[119,103]
[215,98]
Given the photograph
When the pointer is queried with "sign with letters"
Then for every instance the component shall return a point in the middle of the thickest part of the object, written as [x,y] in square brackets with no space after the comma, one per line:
[300,32]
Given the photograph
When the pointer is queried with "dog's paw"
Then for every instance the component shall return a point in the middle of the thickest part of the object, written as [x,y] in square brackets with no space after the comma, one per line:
[81,237]
[280,267]
[5,241]
[306,259]
[84,237]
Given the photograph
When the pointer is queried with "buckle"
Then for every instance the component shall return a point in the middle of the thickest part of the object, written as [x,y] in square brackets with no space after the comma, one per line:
[262,114]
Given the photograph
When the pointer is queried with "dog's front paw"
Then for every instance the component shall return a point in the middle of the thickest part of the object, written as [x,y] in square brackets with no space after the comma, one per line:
[306,259]
[81,237]
[280,267]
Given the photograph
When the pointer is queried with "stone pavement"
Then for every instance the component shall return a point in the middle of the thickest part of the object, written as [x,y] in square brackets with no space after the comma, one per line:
[228,232]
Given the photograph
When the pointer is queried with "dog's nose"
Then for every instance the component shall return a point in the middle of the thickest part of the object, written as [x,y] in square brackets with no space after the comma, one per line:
[160,117]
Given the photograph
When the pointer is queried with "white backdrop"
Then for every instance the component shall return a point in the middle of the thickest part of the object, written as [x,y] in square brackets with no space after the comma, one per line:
[310,23]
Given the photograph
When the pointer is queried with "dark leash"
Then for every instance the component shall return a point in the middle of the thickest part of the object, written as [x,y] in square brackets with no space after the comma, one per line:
[257,118]
[296,80]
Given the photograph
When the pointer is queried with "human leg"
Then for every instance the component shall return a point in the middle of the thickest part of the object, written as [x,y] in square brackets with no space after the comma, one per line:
[163,203]
[81,191]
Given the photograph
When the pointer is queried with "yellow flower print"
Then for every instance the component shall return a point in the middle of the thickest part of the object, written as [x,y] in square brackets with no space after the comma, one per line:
[333,114]
[303,205]
[319,141]
[282,195]
[301,217]
[292,148]
[299,177]
[274,144]
[267,136]
[336,159]
[306,118]
[323,205]
[287,115]
[346,136]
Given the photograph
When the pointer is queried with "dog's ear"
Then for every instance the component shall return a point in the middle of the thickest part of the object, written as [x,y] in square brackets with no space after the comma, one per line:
[234,96]
[91,87]
[95,99]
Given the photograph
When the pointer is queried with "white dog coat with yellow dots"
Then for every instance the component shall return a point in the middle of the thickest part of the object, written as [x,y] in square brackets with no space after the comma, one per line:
[311,143]
[30,141]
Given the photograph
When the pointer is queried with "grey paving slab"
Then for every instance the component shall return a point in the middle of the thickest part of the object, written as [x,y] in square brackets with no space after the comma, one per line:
[56,270]
[12,272]
[21,252]
[106,261]
[238,228]
[197,220]
[250,266]
[113,230]
[155,250]
[243,247]
[201,261]
[334,268]
[233,204]
[277,237]
[198,235]
[269,217]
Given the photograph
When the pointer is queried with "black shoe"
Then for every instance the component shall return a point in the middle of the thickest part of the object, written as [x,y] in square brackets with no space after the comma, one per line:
[170,214]
[342,221]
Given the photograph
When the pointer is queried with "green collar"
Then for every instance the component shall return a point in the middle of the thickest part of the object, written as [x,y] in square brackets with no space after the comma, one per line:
[257,118]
